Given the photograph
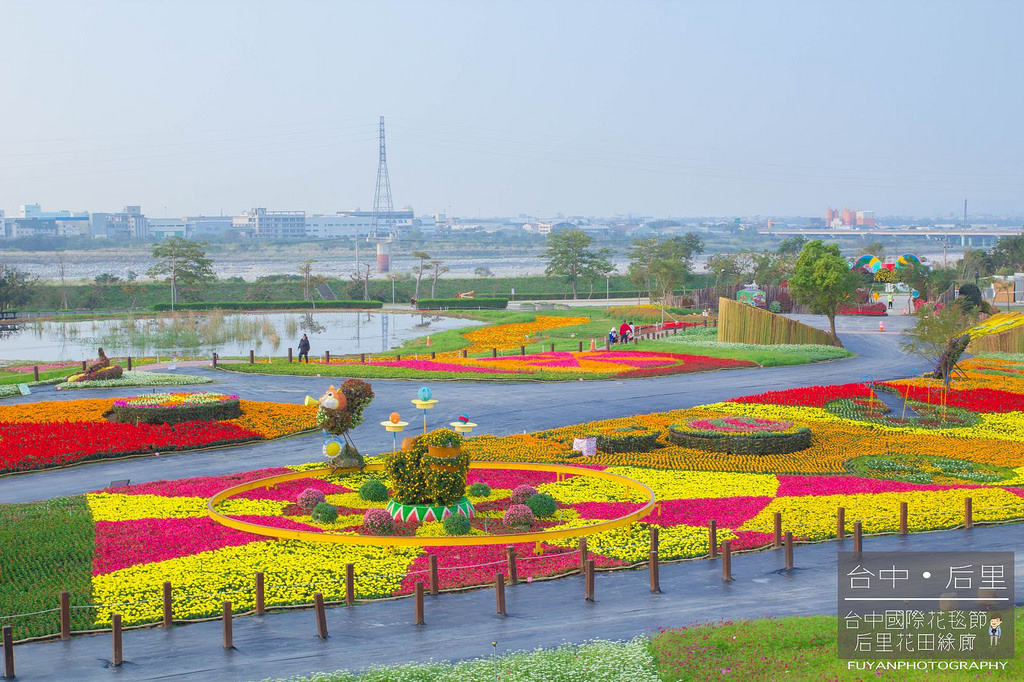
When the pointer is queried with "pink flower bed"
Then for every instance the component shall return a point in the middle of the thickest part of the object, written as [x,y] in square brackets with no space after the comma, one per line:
[810,396]
[434,366]
[730,512]
[498,478]
[478,564]
[815,486]
[739,425]
[120,544]
[24,369]
[202,486]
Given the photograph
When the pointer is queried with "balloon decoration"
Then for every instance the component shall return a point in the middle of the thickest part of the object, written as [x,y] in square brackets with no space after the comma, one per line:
[395,417]
[424,393]
[463,418]
[868,262]
[908,259]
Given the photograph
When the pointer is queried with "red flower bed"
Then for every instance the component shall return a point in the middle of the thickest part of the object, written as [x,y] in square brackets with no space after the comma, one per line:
[811,396]
[975,400]
[866,309]
[688,363]
[27,446]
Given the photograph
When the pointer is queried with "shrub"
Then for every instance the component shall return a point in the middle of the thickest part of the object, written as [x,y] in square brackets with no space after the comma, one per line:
[471,303]
[522,493]
[325,513]
[378,522]
[970,295]
[542,505]
[204,408]
[310,498]
[627,439]
[265,305]
[479,490]
[775,307]
[373,490]
[784,301]
[457,524]
[518,516]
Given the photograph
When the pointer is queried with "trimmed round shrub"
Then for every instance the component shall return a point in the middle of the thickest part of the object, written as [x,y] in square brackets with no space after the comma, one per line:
[378,522]
[310,498]
[456,524]
[521,493]
[775,307]
[518,516]
[542,505]
[373,491]
[479,490]
[325,513]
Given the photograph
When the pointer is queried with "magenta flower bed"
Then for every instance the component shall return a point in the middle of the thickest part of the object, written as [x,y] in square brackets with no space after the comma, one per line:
[434,366]
[800,486]
[23,369]
[497,478]
[730,512]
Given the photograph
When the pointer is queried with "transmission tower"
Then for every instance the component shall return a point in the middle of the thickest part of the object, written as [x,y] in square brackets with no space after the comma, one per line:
[382,225]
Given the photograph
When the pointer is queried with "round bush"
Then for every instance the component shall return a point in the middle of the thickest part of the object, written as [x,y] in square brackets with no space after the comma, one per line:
[518,516]
[479,490]
[542,505]
[521,493]
[325,513]
[310,498]
[456,524]
[378,522]
[374,491]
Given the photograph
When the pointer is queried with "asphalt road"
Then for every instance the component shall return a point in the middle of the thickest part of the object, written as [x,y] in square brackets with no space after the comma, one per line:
[499,409]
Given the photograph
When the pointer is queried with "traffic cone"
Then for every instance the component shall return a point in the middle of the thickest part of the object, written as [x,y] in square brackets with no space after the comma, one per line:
[881,326]
[593,345]
[428,340]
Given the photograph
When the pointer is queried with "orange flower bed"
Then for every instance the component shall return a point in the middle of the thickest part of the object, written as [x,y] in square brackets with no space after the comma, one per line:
[273,420]
[90,410]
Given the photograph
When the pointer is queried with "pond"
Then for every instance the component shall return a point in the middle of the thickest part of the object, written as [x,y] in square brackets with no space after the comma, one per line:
[227,334]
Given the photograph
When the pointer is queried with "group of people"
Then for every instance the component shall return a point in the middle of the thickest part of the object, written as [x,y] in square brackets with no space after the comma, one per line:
[624,334]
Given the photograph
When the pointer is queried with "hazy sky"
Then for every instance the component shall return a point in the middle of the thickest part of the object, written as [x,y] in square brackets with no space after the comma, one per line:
[500,108]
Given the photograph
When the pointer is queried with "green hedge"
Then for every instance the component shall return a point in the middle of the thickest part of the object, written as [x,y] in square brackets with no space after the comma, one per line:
[267,305]
[743,443]
[627,439]
[127,414]
[465,303]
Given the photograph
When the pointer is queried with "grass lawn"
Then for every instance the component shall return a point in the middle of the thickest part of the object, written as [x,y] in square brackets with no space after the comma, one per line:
[15,378]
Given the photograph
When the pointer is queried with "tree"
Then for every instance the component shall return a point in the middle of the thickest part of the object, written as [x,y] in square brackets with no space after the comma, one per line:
[938,335]
[731,268]
[792,245]
[672,263]
[183,263]
[439,270]
[306,270]
[107,278]
[641,254]
[62,268]
[15,286]
[823,281]
[876,249]
[1009,253]
[570,257]
[482,271]
[419,269]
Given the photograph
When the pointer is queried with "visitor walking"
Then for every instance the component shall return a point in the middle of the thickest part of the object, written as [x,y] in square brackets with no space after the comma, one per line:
[304,348]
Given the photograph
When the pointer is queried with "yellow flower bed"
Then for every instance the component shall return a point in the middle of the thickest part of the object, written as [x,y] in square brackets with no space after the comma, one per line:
[815,517]
[115,507]
[516,334]
[293,571]
[997,324]
[632,543]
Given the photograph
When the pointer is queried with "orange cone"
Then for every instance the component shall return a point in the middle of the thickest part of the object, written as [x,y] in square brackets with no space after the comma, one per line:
[881,326]
[428,340]
[593,345]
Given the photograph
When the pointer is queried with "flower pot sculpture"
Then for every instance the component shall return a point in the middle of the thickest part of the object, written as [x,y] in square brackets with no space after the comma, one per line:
[429,478]
[341,410]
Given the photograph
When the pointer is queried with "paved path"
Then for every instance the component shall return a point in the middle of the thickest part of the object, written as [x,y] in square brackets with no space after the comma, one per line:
[463,625]
[499,409]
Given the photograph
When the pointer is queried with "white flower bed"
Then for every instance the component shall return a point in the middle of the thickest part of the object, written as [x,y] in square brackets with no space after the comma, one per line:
[138,379]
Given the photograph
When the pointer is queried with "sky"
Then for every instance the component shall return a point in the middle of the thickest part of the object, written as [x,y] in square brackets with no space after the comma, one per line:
[505,108]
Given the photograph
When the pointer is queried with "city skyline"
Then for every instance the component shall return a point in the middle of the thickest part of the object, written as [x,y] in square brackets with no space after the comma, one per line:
[662,109]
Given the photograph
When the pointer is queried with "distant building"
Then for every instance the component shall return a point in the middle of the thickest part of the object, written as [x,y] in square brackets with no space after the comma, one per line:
[849,218]
[356,223]
[3,225]
[259,223]
[166,228]
[202,226]
[32,221]
[128,224]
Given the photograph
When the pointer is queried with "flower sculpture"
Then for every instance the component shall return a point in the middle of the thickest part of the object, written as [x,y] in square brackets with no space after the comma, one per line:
[99,371]
[341,409]
[429,478]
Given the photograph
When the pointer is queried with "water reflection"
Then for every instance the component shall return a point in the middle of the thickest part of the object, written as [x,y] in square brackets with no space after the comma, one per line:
[193,333]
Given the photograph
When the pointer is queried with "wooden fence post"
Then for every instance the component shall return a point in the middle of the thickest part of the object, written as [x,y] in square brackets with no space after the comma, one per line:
[653,564]
[494,352]
[654,539]
[726,561]
[362,358]
[229,636]
[712,539]
[65,615]
[8,652]
[350,584]
[252,357]
[129,363]
[552,348]
[432,560]
[261,603]
[35,373]
[214,360]
[327,357]
[841,523]
[789,551]
[418,604]
[289,355]
[84,366]
[499,592]
[522,350]
[583,555]
[581,347]
[968,512]
[588,580]
[115,622]
[168,608]
[321,615]
[465,353]
[858,540]
[777,539]
[513,575]
[903,518]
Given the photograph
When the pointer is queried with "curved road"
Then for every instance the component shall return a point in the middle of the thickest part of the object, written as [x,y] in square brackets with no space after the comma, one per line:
[500,409]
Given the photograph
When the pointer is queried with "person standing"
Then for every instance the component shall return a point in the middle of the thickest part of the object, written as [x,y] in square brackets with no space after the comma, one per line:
[890,301]
[624,332]
[304,348]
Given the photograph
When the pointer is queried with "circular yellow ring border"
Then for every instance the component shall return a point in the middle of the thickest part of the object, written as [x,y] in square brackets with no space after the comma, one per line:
[418,541]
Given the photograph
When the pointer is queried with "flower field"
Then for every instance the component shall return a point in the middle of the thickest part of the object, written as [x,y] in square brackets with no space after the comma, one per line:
[53,434]
[145,534]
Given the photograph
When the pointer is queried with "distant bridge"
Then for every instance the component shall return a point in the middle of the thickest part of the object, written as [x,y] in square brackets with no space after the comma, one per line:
[980,238]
